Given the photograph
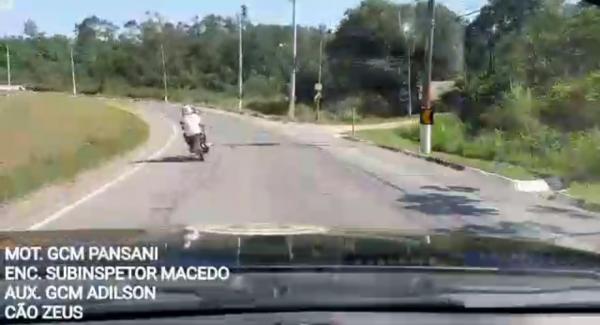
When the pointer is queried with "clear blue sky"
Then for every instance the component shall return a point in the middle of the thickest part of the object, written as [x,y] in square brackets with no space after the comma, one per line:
[60,16]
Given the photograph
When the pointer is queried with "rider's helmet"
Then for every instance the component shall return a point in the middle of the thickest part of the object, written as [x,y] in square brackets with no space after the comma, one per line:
[187,110]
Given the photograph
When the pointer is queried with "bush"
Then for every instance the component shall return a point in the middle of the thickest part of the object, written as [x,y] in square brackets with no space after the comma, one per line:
[485,146]
[269,107]
[117,86]
[305,113]
[573,105]
[144,92]
[258,85]
[448,133]
[471,99]
[342,109]
[515,114]
[581,157]
[375,104]
[364,105]
[346,104]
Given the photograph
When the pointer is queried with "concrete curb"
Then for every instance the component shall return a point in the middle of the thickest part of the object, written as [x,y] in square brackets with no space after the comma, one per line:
[529,186]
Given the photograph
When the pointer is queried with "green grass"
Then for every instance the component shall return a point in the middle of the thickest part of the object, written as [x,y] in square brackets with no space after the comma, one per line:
[388,138]
[49,137]
[277,106]
[588,192]
[576,161]
[395,138]
[330,119]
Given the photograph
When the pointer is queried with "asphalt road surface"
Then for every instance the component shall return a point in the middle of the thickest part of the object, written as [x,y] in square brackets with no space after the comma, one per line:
[267,172]
[252,175]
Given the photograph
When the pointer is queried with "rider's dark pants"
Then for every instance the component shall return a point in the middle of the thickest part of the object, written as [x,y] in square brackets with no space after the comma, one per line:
[190,140]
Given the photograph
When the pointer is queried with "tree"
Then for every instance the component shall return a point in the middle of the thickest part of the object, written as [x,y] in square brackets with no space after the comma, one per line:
[368,52]
[496,19]
[30,28]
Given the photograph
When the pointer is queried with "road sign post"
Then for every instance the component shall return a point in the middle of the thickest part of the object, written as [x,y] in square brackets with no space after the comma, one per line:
[73,80]
[353,119]
[426,120]
[318,96]
[242,18]
[164,68]
[8,66]
[426,109]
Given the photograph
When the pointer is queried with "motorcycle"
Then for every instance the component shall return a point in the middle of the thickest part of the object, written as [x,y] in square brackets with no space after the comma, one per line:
[200,146]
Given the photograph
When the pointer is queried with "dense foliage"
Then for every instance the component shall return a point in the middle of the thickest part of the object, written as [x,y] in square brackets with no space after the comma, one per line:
[533,98]
[366,55]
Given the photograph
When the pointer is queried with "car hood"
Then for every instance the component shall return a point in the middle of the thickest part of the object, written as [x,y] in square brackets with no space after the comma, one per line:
[299,245]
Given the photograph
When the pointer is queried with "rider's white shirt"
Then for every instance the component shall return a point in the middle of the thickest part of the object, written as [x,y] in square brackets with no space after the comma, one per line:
[191,124]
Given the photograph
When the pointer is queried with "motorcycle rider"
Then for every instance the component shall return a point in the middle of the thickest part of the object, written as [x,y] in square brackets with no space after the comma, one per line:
[191,124]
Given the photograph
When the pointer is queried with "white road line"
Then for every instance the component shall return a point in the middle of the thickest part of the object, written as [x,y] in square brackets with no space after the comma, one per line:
[58,214]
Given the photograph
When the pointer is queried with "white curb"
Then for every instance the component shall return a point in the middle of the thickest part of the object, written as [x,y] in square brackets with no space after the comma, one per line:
[538,185]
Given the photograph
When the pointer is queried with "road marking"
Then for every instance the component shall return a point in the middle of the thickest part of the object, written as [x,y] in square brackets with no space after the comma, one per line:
[260,229]
[58,214]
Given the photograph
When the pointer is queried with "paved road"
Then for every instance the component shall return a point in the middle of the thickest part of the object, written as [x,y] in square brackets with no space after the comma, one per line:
[266,172]
[253,175]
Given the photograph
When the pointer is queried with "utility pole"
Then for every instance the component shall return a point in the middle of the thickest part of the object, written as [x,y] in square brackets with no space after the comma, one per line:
[400,30]
[292,108]
[409,49]
[241,19]
[427,110]
[164,68]
[491,44]
[73,71]
[406,30]
[8,65]
[319,86]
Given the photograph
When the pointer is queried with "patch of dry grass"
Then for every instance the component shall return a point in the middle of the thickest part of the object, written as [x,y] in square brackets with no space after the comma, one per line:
[49,137]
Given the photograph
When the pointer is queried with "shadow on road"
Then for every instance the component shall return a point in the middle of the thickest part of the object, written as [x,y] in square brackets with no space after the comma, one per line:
[528,229]
[271,144]
[249,144]
[441,204]
[465,189]
[170,159]
[499,229]
[565,211]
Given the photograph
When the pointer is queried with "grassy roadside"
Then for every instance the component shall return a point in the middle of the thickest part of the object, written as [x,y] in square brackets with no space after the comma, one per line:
[274,106]
[392,138]
[588,192]
[278,108]
[451,140]
[50,137]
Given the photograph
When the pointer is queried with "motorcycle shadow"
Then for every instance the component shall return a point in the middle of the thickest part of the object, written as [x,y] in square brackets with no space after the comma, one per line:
[170,159]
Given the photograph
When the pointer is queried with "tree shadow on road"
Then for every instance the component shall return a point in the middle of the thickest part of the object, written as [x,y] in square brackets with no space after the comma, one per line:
[563,211]
[274,144]
[442,204]
[248,144]
[510,229]
[465,189]
[528,230]
[169,159]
